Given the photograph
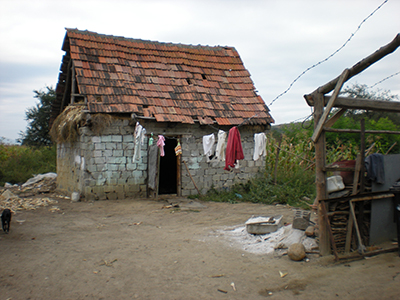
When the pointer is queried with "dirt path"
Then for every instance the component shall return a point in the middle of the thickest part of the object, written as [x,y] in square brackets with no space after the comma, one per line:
[135,249]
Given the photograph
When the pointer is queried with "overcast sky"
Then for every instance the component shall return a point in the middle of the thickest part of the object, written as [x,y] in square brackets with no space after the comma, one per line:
[277,41]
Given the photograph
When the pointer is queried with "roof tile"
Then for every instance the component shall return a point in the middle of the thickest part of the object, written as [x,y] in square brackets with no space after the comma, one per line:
[190,82]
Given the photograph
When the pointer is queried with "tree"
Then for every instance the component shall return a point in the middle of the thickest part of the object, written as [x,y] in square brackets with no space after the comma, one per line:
[38,117]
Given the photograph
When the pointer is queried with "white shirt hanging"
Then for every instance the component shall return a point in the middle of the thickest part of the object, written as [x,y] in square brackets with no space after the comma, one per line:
[260,143]
[138,137]
[221,146]
[208,145]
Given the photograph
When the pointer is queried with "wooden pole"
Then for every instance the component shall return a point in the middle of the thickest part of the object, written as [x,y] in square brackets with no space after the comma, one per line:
[194,183]
[277,160]
[328,225]
[363,64]
[362,153]
[320,176]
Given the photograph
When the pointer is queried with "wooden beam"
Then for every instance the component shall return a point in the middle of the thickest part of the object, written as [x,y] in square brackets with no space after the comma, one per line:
[332,120]
[362,104]
[363,64]
[321,122]
[73,83]
[353,214]
[359,131]
[67,86]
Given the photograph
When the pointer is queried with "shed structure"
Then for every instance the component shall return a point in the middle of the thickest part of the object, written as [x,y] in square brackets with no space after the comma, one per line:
[323,103]
[116,96]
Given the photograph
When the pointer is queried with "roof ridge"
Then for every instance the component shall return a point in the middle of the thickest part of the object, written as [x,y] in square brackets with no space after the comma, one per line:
[169,44]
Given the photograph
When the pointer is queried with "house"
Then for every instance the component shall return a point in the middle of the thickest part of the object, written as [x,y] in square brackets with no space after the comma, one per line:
[111,87]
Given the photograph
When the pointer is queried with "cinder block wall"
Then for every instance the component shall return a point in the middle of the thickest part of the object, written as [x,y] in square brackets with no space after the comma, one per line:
[211,174]
[101,166]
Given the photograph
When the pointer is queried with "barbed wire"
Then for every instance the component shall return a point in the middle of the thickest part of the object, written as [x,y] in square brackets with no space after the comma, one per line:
[386,78]
[334,53]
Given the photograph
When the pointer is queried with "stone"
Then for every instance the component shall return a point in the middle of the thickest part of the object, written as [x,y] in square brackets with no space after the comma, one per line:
[310,231]
[297,252]
[75,197]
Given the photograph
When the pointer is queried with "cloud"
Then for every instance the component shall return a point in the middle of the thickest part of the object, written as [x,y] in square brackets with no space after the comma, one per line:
[277,41]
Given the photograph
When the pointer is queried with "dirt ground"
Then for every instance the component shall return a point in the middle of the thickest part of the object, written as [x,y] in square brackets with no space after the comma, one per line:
[136,249]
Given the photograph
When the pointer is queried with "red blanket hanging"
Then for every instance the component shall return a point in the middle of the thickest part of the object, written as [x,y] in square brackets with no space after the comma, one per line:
[234,151]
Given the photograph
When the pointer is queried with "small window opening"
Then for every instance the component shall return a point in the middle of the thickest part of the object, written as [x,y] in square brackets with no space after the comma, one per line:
[188,81]
[145,106]
[98,99]
[204,76]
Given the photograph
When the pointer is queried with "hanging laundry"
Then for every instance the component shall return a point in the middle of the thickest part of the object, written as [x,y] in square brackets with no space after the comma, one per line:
[161,144]
[208,145]
[143,136]
[152,166]
[375,168]
[178,149]
[138,137]
[151,139]
[234,150]
[221,146]
[260,144]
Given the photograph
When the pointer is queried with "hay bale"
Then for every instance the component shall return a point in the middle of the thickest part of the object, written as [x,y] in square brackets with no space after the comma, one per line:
[66,125]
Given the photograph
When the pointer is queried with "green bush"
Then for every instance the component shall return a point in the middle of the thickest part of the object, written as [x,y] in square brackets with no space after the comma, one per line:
[19,163]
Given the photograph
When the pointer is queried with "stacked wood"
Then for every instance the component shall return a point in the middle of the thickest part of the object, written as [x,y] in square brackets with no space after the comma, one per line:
[339,213]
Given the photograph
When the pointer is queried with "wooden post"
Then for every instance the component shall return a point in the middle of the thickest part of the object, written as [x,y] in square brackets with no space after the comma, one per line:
[362,154]
[320,176]
[277,160]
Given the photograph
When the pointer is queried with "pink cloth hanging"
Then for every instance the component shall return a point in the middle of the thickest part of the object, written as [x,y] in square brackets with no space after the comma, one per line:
[161,144]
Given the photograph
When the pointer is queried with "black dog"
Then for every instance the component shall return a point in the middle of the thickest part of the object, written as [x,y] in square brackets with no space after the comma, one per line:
[6,220]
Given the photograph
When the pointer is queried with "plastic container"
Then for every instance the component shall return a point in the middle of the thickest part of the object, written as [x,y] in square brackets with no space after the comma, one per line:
[334,184]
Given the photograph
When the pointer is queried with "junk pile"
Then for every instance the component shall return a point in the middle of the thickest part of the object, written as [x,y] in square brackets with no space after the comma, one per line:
[268,235]
[28,195]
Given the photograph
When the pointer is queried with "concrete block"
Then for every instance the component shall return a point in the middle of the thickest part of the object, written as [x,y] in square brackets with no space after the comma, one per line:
[301,219]
[96,139]
[128,153]
[97,153]
[110,146]
[106,138]
[116,138]
[128,139]
[128,146]
[131,167]
[117,160]
[99,146]
[107,153]
[99,160]
[118,153]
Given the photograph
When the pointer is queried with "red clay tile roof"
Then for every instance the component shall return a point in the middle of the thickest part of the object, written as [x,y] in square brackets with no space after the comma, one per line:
[170,82]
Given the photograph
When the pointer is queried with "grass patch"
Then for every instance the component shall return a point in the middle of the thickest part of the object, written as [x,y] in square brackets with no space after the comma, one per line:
[19,163]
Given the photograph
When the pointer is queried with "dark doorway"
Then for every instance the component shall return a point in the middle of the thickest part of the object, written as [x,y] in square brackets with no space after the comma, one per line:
[168,168]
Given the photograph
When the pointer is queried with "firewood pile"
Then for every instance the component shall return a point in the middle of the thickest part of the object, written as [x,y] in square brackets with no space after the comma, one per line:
[339,213]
